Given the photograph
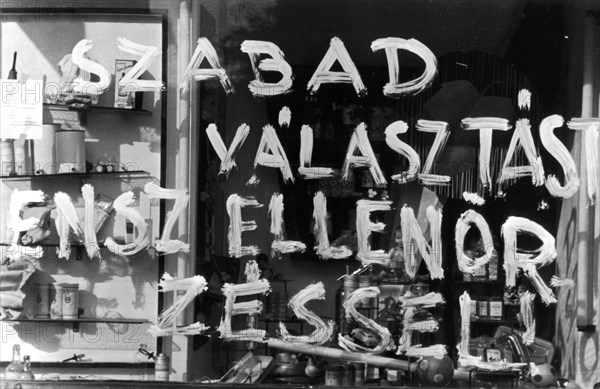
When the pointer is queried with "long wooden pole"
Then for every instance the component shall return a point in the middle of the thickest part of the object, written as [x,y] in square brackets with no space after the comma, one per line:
[343,355]
[585,298]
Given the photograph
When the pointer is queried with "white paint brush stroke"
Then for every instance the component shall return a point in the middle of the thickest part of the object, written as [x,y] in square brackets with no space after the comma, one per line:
[192,286]
[463,224]
[231,292]
[17,200]
[148,54]
[323,249]
[413,240]
[67,217]
[394,89]
[141,241]
[526,310]
[323,74]
[279,245]
[365,227]
[306,148]
[251,271]
[227,156]
[165,244]
[558,150]
[515,259]
[323,331]
[285,117]
[359,142]
[557,282]
[442,132]
[276,63]
[386,342]
[522,135]
[86,86]
[524,99]
[473,198]
[235,204]
[68,72]
[204,49]
[400,147]
[89,224]
[270,153]
[590,128]
[486,126]
[193,329]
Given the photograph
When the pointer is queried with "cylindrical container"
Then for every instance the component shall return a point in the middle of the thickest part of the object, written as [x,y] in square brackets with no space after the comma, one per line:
[359,373]
[372,374]
[70,304]
[161,367]
[473,306]
[333,375]
[44,150]
[482,307]
[348,375]
[480,274]
[364,281]
[496,308]
[70,151]
[56,301]
[42,301]
[24,156]
[7,156]
[350,284]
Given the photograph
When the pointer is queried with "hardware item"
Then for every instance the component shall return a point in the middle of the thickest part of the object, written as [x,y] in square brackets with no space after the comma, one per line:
[162,367]
[42,301]
[70,303]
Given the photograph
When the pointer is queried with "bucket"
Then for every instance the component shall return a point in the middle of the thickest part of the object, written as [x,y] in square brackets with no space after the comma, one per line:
[70,151]
[44,150]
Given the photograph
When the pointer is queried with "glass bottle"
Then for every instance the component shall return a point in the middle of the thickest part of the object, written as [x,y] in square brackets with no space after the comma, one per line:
[15,368]
[141,363]
[27,374]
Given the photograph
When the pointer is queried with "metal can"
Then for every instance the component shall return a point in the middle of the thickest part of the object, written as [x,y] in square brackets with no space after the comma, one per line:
[70,304]
[24,163]
[7,156]
[56,301]
[162,367]
[359,373]
[333,375]
[70,151]
[42,301]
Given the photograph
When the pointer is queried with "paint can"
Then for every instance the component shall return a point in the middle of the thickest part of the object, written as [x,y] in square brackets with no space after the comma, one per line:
[70,304]
[359,373]
[42,301]
[56,301]
[364,281]
[333,375]
[348,375]
[24,156]
[7,156]
[44,150]
[70,151]
[161,367]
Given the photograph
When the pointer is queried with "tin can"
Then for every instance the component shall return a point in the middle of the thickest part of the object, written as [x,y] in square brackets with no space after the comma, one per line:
[42,301]
[365,281]
[161,367]
[70,151]
[359,373]
[333,375]
[56,301]
[348,375]
[7,156]
[44,150]
[24,156]
[70,304]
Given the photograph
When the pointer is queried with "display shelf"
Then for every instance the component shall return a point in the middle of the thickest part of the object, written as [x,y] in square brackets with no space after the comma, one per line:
[128,178]
[76,322]
[83,110]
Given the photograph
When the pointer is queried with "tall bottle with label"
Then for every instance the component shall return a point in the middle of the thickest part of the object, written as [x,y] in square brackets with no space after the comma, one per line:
[15,368]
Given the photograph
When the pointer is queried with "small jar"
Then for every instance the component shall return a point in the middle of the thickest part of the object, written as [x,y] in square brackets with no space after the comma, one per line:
[42,301]
[496,308]
[482,307]
[70,305]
